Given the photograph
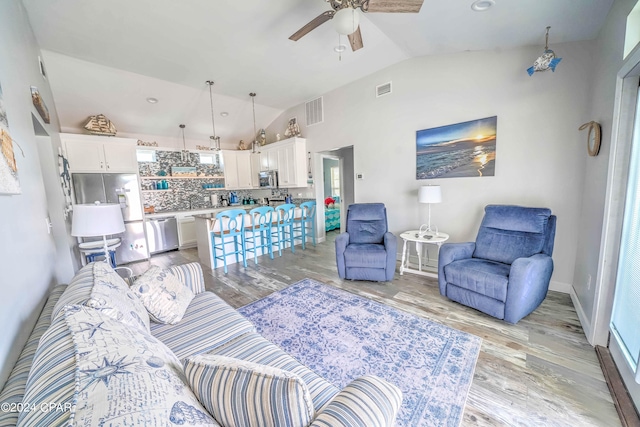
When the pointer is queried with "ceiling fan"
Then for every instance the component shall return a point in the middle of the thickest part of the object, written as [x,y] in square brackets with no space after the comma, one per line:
[344,10]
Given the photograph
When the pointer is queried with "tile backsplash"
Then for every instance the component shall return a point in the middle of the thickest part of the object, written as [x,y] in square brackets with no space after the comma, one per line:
[188,194]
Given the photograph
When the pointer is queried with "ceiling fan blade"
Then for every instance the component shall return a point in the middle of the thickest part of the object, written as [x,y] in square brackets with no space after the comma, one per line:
[315,23]
[397,6]
[355,40]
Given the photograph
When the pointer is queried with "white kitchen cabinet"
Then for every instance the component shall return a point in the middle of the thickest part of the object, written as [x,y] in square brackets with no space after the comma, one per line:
[88,153]
[268,159]
[237,169]
[289,158]
[187,232]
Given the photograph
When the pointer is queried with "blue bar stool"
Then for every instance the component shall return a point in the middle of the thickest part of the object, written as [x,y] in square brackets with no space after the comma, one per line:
[228,228]
[258,234]
[284,215]
[305,221]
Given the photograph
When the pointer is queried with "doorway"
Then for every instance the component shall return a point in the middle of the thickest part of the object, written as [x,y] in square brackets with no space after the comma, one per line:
[332,191]
[337,188]
[617,297]
[624,342]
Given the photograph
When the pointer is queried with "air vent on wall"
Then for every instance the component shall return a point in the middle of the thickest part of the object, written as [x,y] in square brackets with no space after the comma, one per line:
[314,111]
[383,89]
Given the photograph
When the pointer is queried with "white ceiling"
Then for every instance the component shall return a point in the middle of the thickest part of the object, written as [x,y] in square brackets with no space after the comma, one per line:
[109,56]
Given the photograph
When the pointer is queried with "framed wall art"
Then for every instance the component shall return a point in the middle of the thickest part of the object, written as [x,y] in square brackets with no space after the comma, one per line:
[464,149]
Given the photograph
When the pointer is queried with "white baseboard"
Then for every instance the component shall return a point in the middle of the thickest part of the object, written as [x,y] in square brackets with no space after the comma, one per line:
[582,316]
[565,288]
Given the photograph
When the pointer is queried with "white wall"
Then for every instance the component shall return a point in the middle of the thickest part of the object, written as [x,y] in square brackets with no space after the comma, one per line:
[540,152]
[593,300]
[29,260]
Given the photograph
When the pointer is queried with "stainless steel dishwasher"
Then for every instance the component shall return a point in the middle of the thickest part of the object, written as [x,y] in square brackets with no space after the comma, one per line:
[162,234]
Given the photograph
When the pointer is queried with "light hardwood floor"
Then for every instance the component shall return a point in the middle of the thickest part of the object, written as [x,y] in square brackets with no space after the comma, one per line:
[540,372]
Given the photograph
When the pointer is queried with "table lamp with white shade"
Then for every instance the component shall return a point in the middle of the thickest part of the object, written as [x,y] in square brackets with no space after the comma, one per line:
[429,194]
[97,219]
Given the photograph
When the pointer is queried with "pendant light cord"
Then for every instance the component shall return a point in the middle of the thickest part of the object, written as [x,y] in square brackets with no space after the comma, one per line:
[213,120]
[253,104]
[184,144]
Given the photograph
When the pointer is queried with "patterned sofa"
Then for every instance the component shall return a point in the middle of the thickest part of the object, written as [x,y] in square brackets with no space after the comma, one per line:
[87,366]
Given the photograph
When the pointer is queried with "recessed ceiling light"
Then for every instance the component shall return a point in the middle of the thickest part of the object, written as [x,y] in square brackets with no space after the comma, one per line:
[151,100]
[482,5]
[340,48]
[224,114]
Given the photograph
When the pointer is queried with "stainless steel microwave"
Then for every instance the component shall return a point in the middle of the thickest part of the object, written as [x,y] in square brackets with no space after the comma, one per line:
[268,179]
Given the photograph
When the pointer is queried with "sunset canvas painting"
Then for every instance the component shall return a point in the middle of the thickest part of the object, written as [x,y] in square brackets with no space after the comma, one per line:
[460,150]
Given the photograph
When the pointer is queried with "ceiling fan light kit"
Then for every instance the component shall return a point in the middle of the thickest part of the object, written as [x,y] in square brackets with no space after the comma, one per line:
[346,17]
[346,21]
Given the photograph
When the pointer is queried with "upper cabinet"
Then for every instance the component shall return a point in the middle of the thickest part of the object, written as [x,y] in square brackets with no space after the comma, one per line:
[88,153]
[289,158]
[237,169]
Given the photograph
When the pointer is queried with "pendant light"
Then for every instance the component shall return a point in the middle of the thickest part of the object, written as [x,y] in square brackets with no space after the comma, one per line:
[253,103]
[184,154]
[214,137]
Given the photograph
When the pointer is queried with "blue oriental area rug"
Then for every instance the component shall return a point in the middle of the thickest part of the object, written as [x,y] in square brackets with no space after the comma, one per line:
[342,336]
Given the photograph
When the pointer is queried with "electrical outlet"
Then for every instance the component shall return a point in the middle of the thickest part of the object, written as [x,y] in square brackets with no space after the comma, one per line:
[588,282]
[359,176]
[206,199]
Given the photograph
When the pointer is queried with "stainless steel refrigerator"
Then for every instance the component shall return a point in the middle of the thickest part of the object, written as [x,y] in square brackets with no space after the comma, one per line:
[124,189]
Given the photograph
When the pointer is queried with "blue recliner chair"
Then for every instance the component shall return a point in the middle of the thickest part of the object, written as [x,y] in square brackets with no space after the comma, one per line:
[506,272]
[366,251]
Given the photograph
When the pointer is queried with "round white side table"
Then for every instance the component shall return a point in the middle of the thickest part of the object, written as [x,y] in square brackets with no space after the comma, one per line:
[97,247]
[413,236]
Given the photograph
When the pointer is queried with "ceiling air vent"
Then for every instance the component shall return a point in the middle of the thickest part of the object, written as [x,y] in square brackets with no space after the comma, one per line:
[314,111]
[383,89]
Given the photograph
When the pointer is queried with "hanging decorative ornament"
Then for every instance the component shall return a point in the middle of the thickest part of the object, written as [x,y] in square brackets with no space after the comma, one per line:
[214,137]
[546,61]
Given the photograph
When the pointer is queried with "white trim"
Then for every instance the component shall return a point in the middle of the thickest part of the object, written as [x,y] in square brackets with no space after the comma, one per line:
[584,320]
[565,288]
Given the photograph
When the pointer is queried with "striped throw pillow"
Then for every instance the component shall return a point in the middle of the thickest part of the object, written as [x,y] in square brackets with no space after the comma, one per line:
[245,394]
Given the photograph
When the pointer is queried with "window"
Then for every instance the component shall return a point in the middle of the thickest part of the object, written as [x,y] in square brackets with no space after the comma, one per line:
[335,181]
[145,155]
[208,159]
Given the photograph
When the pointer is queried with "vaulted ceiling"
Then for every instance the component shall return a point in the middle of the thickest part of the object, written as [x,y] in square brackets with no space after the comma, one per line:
[109,56]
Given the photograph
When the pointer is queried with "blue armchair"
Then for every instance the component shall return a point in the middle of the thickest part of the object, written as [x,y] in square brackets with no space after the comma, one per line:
[506,272]
[366,251]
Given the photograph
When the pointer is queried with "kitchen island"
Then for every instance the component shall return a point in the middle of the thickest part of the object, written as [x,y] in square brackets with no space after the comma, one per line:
[204,225]
[206,222]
